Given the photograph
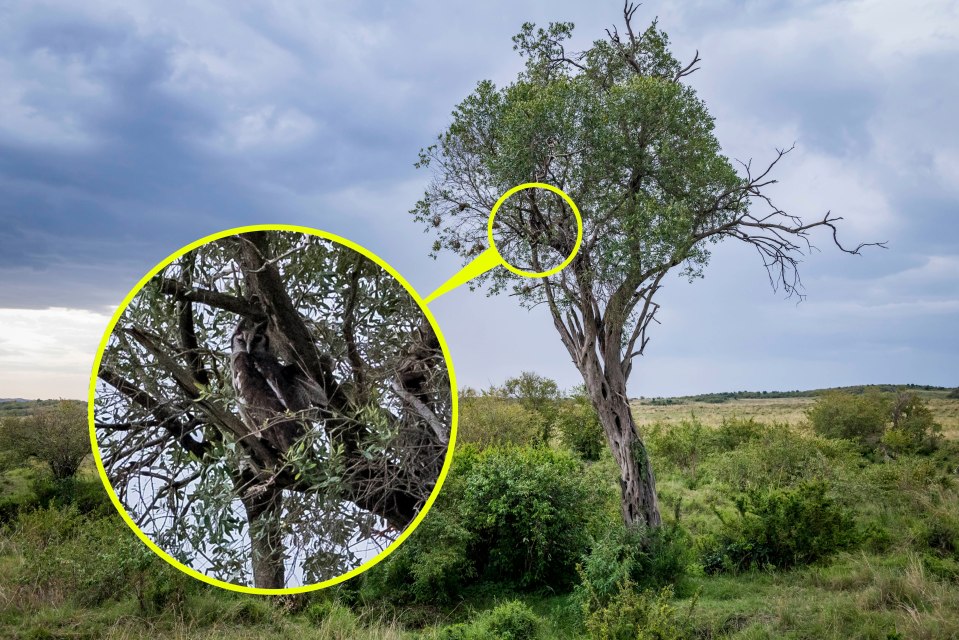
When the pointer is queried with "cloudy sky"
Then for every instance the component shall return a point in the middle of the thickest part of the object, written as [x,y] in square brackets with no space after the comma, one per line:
[129,129]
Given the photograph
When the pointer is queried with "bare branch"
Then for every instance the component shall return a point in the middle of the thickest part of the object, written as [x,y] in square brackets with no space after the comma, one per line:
[224,301]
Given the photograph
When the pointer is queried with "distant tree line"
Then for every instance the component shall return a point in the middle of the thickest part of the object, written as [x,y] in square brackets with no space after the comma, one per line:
[726,396]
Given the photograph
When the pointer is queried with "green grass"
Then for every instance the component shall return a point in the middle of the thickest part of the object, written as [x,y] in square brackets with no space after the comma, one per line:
[894,585]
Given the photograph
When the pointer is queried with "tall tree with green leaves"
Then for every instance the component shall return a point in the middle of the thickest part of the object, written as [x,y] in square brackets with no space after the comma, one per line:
[618,129]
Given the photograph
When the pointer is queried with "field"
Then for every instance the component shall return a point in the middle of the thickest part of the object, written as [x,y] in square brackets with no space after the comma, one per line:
[779,410]
[69,568]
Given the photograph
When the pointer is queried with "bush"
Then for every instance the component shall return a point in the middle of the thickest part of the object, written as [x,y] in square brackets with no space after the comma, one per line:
[537,394]
[735,432]
[88,496]
[92,560]
[527,510]
[488,421]
[781,528]
[432,566]
[860,418]
[648,559]
[686,445]
[913,429]
[683,445]
[940,535]
[512,620]
[507,516]
[634,615]
[579,426]
[319,610]
[781,457]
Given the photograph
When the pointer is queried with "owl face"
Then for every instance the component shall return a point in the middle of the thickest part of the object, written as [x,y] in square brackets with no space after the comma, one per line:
[250,339]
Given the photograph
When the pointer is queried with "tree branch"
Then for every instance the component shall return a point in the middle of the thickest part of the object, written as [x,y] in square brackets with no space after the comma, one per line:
[233,304]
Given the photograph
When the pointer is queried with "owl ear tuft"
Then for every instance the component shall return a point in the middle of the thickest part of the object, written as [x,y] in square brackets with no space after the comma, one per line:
[241,326]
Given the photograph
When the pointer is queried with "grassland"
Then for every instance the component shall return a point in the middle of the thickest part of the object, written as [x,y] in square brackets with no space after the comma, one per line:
[60,571]
[790,410]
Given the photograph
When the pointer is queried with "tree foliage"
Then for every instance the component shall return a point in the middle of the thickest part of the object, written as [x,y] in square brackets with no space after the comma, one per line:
[902,423]
[619,130]
[537,394]
[57,436]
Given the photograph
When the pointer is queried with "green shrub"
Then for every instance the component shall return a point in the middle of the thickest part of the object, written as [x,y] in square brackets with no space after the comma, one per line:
[11,507]
[579,426]
[508,516]
[432,566]
[914,428]
[458,631]
[637,615]
[860,418]
[781,528]
[648,559]
[781,457]
[682,445]
[93,560]
[735,432]
[319,610]
[940,535]
[488,421]
[249,611]
[88,496]
[527,511]
[537,394]
[512,620]
[688,444]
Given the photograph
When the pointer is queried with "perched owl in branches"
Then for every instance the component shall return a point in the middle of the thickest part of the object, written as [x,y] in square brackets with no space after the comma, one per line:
[270,394]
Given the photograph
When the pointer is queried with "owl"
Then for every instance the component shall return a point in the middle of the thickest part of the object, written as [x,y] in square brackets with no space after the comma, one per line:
[267,391]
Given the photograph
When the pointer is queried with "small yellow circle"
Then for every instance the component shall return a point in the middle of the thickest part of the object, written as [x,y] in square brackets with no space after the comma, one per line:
[106,480]
[579,229]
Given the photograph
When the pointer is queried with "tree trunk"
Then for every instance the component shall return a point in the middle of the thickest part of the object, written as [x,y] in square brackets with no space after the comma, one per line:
[637,483]
[263,511]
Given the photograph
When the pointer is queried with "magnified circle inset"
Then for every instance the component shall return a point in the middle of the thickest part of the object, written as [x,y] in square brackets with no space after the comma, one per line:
[548,227]
[272,409]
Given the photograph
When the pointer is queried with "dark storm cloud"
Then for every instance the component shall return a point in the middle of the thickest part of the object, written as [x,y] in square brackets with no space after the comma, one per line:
[145,142]
[130,129]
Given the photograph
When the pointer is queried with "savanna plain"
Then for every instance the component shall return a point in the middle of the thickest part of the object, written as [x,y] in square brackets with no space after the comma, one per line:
[812,514]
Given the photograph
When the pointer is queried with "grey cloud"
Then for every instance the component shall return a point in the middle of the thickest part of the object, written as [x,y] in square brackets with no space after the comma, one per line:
[140,130]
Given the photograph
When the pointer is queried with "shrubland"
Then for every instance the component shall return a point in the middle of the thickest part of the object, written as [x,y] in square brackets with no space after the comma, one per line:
[772,529]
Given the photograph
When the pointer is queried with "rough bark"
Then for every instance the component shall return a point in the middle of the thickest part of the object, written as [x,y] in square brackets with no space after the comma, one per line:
[637,482]
[263,511]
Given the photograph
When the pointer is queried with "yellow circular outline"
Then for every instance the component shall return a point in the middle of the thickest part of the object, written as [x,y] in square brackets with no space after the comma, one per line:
[116,500]
[579,229]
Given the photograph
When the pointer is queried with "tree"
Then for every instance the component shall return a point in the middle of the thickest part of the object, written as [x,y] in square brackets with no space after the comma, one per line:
[617,128]
[913,427]
[537,394]
[56,436]
[207,476]
[861,418]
